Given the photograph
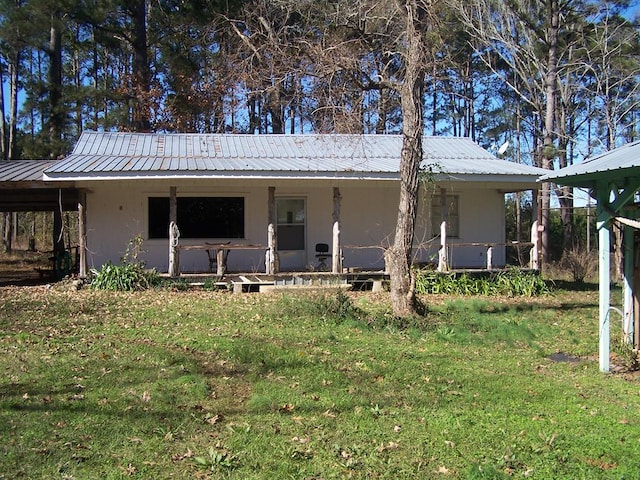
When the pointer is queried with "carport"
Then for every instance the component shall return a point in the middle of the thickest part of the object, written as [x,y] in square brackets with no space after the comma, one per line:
[23,190]
[613,179]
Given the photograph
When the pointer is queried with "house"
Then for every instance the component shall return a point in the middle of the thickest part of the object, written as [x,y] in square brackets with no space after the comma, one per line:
[267,201]
[613,178]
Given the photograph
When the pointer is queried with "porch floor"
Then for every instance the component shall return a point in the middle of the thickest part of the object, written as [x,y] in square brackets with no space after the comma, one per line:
[254,282]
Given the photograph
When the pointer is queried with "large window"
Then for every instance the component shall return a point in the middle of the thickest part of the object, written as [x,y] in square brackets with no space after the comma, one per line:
[447,211]
[198,217]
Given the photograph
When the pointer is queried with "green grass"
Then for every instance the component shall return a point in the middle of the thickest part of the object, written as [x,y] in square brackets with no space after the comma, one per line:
[183,385]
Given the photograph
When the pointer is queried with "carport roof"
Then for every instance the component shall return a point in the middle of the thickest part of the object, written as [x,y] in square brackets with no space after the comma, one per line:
[24,190]
[622,162]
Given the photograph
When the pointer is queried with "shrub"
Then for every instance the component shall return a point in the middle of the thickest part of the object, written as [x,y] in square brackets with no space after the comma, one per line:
[580,263]
[129,276]
[512,282]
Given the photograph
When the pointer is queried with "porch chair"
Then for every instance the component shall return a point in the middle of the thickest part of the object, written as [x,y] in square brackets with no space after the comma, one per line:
[322,253]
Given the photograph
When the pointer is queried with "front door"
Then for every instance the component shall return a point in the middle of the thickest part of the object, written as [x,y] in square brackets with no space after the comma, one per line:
[291,230]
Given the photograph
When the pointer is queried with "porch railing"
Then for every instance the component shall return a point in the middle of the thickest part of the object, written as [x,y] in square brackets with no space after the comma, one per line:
[444,257]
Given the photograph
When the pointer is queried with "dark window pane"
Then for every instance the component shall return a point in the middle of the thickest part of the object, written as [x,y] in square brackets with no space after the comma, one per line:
[198,217]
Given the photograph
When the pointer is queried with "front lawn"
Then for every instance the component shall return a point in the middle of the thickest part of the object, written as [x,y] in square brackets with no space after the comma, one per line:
[184,385]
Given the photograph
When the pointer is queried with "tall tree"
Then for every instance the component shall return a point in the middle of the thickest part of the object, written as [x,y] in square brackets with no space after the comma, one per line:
[530,38]
[398,256]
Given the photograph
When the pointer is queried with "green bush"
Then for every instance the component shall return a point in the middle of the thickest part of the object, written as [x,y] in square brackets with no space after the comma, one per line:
[513,282]
[127,277]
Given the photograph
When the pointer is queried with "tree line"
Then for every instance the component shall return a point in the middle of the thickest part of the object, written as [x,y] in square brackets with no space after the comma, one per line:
[556,79]
[492,71]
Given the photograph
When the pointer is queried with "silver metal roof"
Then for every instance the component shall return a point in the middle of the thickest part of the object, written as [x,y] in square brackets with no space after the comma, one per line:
[617,163]
[107,155]
[22,170]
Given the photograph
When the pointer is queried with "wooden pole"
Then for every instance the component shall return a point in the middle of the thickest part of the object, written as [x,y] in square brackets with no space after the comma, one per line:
[82,234]
[174,255]
[533,255]
[336,259]
[272,264]
[443,261]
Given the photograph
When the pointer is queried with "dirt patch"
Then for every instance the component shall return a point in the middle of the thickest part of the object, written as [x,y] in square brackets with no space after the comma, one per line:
[23,268]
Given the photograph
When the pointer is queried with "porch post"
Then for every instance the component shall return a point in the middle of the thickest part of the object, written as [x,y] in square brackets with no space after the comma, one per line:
[604,279]
[174,255]
[272,265]
[443,261]
[336,259]
[627,308]
[82,234]
[533,254]
[442,253]
[490,257]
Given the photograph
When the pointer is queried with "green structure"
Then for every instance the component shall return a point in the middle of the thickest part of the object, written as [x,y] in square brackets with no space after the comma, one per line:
[613,179]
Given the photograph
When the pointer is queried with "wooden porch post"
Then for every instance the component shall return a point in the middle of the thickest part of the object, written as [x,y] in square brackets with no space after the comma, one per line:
[533,254]
[336,259]
[272,265]
[443,261]
[82,234]
[174,255]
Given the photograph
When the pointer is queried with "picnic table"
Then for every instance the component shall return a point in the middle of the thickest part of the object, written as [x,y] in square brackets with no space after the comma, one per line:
[218,253]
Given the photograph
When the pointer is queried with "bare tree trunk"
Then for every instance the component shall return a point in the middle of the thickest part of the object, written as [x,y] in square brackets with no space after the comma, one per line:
[548,148]
[398,256]
[3,139]
[13,87]
[141,73]
[57,117]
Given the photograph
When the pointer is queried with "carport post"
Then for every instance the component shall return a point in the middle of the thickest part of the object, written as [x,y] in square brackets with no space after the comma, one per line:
[604,227]
[627,304]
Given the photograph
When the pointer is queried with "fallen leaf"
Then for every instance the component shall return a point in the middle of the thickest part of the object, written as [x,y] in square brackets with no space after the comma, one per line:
[181,456]
[286,408]
[214,419]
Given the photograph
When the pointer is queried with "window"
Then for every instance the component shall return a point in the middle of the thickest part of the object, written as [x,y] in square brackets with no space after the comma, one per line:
[449,211]
[198,217]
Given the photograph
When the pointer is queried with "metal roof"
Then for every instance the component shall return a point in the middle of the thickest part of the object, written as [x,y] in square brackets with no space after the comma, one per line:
[618,163]
[117,155]
[22,170]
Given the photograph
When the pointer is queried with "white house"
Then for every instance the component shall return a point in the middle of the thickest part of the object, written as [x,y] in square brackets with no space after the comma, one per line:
[337,190]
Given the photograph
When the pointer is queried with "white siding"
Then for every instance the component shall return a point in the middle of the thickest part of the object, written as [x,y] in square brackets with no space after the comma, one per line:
[117,212]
